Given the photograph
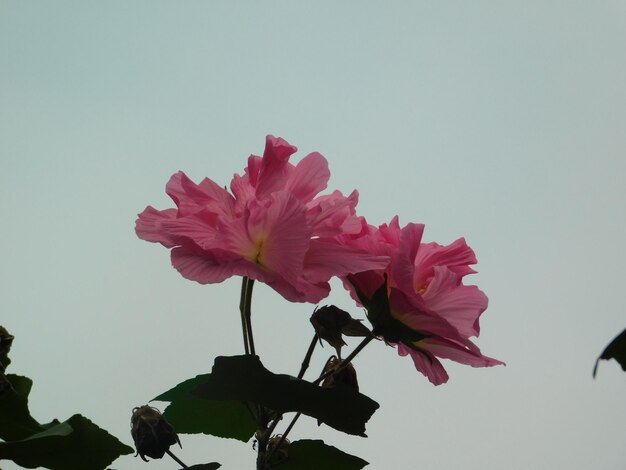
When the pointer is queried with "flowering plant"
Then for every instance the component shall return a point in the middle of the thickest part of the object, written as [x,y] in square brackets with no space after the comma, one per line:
[275,227]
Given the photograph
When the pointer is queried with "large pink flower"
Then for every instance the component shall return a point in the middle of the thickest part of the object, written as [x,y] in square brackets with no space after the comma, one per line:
[272,227]
[419,302]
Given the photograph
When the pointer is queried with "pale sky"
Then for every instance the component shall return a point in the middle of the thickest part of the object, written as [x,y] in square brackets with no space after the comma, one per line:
[503,122]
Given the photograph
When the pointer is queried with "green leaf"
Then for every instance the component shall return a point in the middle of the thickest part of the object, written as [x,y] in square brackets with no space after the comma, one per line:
[615,350]
[244,378]
[205,466]
[15,419]
[315,455]
[190,414]
[75,444]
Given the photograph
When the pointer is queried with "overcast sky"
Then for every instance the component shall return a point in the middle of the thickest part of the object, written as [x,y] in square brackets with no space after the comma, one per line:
[503,122]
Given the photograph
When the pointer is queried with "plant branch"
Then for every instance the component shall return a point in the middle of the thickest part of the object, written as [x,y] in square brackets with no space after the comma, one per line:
[244,323]
[307,357]
[343,364]
[347,360]
[178,461]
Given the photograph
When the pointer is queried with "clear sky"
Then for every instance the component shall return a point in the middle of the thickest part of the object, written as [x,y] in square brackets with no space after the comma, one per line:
[504,122]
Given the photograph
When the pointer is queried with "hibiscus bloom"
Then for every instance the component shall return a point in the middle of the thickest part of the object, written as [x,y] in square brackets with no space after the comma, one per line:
[419,303]
[272,228]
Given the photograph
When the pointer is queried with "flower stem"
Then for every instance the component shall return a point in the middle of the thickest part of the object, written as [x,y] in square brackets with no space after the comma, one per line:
[347,360]
[178,461]
[343,364]
[245,308]
[248,313]
[307,357]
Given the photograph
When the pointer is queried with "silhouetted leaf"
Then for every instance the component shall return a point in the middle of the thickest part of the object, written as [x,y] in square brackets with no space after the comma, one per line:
[615,350]
[205,466]
[245,379]
[315,455]
[190,414]
[15,419]
[75,444]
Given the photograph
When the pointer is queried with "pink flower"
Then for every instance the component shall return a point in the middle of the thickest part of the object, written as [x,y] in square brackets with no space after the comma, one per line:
[419,302]
[272,228]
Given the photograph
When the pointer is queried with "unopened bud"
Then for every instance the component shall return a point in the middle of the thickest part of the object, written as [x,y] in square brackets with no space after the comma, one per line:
[329,322]
[277,454]
[152,434]
[345,376]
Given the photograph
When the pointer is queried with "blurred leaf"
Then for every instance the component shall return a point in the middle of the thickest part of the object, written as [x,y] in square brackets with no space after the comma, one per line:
[190,414]
[15,419]
[315,455]
[205,466]
[244,378]
[75,444]
[615,350]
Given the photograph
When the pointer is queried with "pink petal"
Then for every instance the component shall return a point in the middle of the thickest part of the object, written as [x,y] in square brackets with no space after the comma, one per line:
[445,349]
[149,226]
[334,214]
[206,267]
[274,236]
[456,256]
[411,310]
[426,363]
[309,177]
[404,266]
[326,259]
[190,197]
[199,228]
[275,167]
[459,304]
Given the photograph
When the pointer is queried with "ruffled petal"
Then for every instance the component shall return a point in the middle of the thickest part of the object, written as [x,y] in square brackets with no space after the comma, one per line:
[190,197]
[334,214]
[206,266]
[445,349]
[459,304]
[275,167]
[274,235]
[326,259]
[149,226]
[403,263]
[426,363]
[456,256]
[309,177]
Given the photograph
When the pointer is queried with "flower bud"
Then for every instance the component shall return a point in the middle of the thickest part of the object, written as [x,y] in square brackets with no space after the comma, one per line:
[329,322]
[345,376]
[153,435]
[277,454]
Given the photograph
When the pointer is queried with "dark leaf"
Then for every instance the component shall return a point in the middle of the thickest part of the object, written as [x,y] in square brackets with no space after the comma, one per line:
[356,328]
[244,378]
[75,444]
[6,339]
[315,455]
[190,414]
[205,466]
[15,420]
[615,350]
